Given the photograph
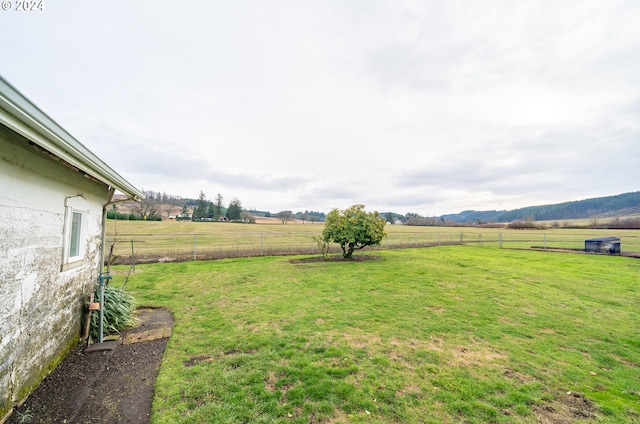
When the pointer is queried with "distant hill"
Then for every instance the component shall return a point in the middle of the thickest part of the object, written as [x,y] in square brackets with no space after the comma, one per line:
[621,204]
[474,216]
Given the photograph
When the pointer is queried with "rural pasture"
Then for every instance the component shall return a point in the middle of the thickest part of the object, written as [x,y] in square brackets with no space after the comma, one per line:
[440,335]
[170,241]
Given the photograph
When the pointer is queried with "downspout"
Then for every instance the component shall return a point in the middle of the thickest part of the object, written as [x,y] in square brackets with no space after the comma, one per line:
[104,276]
[104,227]
[101,275]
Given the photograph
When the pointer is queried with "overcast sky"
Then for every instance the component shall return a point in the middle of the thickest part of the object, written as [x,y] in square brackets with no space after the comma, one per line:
[429,107]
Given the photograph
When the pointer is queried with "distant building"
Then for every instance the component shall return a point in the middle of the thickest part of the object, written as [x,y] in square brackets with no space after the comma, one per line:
[610,245]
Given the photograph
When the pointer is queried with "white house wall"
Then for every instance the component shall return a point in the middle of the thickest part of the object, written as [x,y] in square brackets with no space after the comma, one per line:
[40,303]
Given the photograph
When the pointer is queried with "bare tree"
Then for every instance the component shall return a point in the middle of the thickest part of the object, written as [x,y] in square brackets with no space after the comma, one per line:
[147,209]
[284,216]
[247,218]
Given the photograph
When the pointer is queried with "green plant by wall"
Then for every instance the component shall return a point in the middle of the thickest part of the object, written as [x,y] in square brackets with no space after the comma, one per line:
[118,306]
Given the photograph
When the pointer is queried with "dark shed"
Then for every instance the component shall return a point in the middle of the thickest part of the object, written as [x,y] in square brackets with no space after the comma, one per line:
[610,245]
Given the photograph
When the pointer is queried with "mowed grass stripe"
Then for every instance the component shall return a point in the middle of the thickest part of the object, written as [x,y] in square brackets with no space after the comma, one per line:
[446,334]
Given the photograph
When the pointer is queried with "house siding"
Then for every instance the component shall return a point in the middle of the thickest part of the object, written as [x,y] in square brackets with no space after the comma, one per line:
[40,304]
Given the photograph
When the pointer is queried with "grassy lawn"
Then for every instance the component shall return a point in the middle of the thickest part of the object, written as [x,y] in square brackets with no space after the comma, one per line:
[447,334]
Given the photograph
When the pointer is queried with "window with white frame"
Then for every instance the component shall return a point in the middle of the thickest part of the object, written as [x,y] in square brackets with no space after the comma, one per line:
[75,236]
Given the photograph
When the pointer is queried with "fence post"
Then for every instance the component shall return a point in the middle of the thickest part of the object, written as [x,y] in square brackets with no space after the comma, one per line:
[133,257]
[438,238]
[106,257]
[460,236]
[194,247]
[500,239]
[545,241]
[261,243]
[479,240]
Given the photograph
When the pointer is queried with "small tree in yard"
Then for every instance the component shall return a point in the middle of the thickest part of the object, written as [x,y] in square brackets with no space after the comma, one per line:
[353,229]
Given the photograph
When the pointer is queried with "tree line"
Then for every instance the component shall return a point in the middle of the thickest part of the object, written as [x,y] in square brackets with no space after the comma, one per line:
[285,216]
[151,207]
[207,210]
[201,209]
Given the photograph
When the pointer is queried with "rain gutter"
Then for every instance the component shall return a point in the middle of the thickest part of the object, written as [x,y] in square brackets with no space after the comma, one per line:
[25,118]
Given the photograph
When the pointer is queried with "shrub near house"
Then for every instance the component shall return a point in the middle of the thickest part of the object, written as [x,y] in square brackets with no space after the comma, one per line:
[353,229]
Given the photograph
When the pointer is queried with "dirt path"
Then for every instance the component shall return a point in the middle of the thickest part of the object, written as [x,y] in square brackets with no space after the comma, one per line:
[104,386]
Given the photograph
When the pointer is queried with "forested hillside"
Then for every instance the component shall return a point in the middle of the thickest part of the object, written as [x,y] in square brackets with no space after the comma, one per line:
[578,209]
[621,204]
[472,216]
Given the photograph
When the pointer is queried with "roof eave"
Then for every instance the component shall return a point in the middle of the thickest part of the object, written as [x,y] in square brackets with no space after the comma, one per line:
[24,117]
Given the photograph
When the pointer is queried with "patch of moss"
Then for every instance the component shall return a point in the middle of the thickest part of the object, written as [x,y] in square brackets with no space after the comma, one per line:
[38,377]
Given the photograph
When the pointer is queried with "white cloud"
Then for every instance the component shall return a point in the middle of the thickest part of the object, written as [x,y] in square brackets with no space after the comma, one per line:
[425,106]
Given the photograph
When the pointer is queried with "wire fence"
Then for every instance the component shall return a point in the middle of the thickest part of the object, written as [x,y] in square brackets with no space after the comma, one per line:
[147,248]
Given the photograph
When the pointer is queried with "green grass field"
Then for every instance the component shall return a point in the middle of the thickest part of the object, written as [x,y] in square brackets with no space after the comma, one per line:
[445,334]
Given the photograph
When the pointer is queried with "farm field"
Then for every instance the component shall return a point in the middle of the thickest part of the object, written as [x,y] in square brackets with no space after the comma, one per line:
[582,222]
[179,241]
[445,334]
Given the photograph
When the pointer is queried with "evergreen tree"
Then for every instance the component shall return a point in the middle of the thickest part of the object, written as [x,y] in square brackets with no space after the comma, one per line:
[201,209]
[184,213]
[217,213]
[234,210]
[389,217]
